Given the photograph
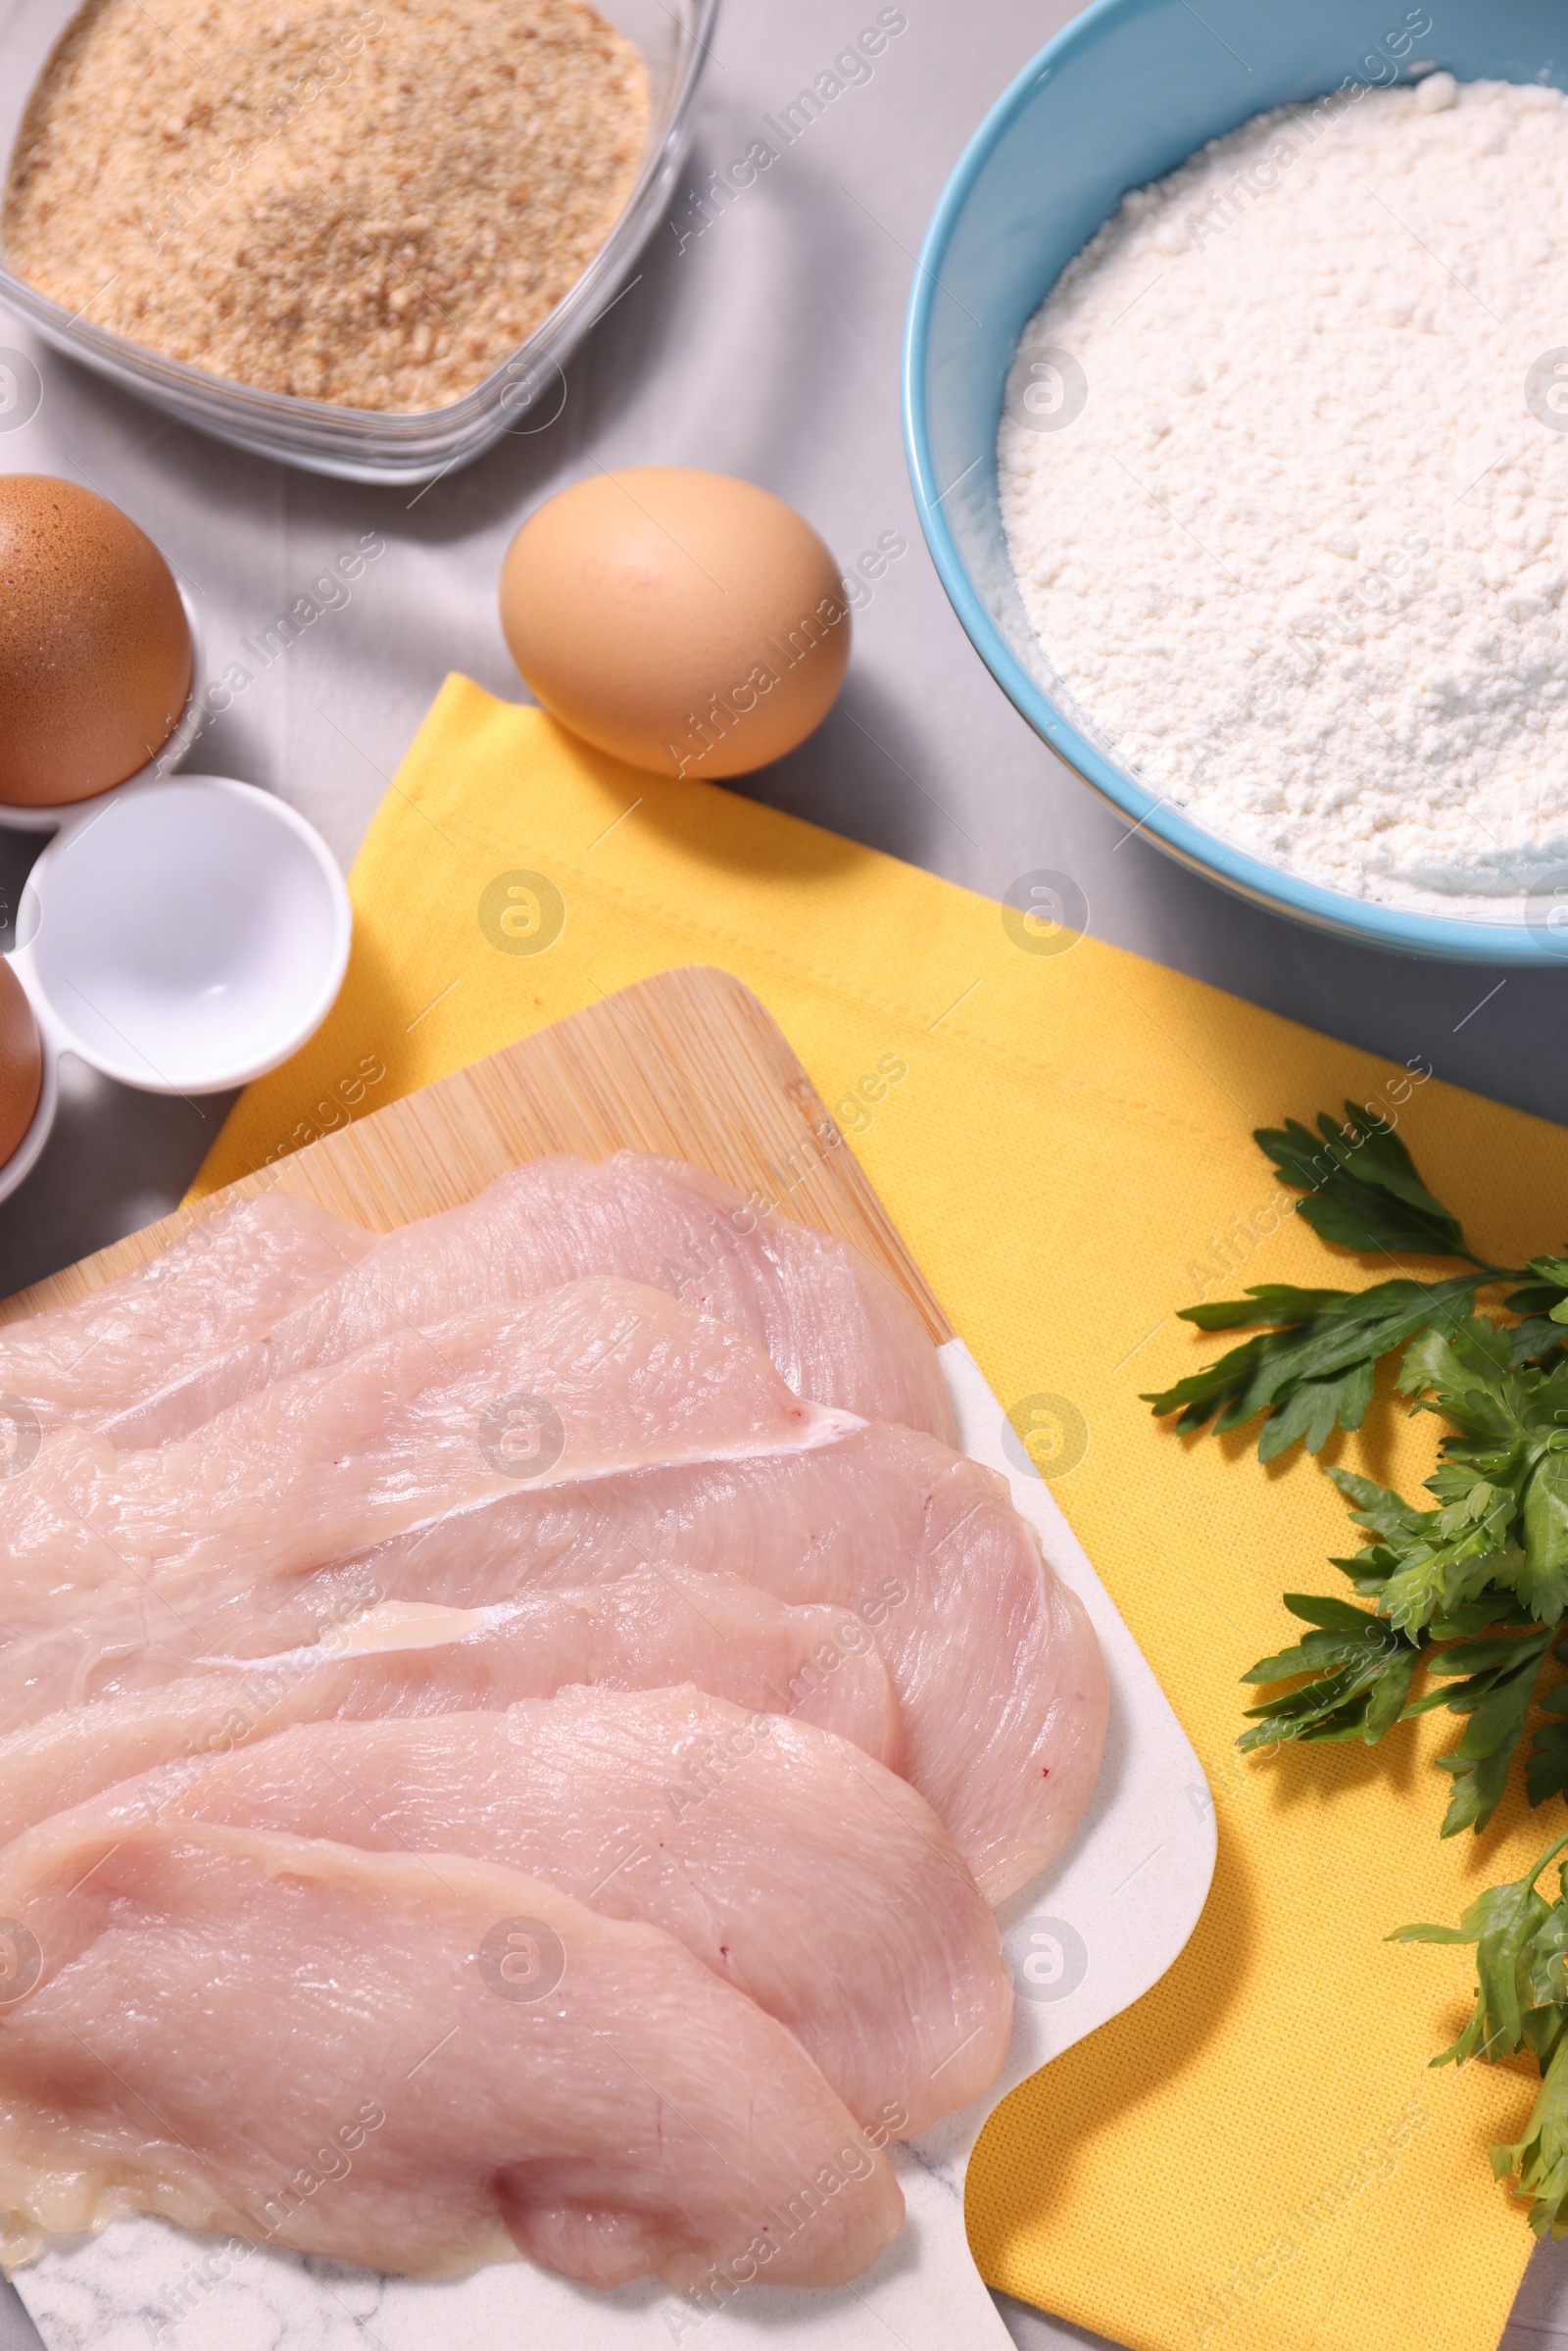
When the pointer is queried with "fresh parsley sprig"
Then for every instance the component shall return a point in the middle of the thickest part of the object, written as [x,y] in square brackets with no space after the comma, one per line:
[1521,2003]
[1361,1188]
[1468,1594]
[1312,1369]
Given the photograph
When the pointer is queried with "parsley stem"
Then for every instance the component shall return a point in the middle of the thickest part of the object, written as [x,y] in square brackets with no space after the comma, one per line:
[1550,1854]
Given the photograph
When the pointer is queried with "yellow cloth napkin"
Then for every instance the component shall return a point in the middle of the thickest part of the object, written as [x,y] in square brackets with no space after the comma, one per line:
[1254,2156]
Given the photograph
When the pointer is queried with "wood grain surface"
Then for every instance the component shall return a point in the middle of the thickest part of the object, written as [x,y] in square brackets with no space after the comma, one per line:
[688,1064]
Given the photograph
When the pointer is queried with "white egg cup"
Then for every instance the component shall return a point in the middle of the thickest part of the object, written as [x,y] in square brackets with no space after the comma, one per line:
[182,934]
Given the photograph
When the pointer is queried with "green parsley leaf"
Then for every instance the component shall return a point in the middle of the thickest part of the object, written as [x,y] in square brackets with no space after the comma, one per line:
[1313,1370]
[1538,2163]
[1521,2003]
[1359,1669]
[1503,1923]
[1378,1508]
[1497,1703]
[1361,1187]
[1269,1302]
[1542,1581]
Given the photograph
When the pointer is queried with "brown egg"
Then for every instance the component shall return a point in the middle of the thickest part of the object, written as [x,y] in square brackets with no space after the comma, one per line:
[686,621]
[95,649]
[20,1062]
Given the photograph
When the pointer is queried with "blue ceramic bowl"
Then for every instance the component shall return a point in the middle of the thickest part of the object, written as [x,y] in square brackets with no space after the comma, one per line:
[1119,98]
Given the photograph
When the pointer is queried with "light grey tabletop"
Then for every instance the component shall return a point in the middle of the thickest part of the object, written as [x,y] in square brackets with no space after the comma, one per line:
[766,346]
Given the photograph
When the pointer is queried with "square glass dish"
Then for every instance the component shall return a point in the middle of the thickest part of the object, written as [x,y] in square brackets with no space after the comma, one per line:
[368,444]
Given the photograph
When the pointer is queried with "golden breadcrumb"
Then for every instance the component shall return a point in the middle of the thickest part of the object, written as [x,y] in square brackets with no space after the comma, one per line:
[371,205]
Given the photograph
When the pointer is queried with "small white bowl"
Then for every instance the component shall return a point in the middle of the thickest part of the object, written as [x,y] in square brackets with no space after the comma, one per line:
[187,937]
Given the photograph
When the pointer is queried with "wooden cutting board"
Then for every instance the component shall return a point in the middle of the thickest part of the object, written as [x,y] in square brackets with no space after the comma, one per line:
[688,1064]
[691,1065]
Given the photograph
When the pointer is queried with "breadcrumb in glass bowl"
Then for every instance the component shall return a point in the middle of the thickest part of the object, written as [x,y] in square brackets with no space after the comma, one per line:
[360,237]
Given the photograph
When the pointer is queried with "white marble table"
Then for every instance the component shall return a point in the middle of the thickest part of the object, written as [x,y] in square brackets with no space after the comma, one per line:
[767,347]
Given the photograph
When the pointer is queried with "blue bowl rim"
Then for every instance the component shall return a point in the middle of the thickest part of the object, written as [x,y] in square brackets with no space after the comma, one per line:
[1362,919]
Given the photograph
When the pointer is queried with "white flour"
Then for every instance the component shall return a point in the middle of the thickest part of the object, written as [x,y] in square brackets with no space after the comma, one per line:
[1302,553]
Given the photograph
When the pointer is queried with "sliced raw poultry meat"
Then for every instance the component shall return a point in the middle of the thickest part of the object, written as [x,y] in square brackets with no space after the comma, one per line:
[838,1328]
[417,2062]
[1000,1688]
[599,1377]
[224,1284]
[604,1429]
[409,1660]
[789,1863]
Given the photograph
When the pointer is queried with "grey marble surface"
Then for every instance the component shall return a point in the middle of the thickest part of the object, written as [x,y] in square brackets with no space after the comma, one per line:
[766,346]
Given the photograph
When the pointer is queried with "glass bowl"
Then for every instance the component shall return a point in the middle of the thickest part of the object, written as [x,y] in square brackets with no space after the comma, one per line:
[1124,95]
[368,444]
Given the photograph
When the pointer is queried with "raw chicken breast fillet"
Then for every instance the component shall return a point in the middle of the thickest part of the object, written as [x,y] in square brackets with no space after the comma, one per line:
[1002,1690]
[408,1660]
[417,2062]
[222,1286]
[789,1863]
[679,1447]
[599,1376]
[838,1328]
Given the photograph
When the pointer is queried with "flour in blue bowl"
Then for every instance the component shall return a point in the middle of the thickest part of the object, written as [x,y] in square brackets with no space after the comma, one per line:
[1284,474]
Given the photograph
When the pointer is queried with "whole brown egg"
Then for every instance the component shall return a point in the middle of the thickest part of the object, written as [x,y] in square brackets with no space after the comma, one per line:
[95,649]
[20,1062]
[686,621]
